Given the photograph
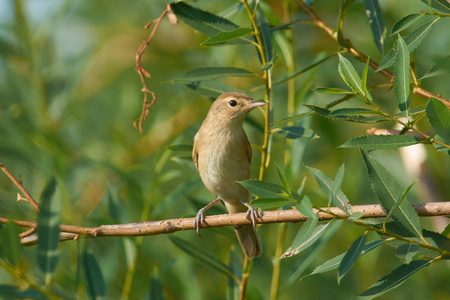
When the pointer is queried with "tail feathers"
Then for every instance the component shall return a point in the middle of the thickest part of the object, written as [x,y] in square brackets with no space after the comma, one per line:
[249,240]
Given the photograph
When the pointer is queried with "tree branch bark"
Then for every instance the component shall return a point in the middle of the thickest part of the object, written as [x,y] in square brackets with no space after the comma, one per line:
[70,232]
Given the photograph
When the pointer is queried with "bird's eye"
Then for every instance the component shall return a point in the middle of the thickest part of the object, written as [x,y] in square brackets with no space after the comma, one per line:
[232,103]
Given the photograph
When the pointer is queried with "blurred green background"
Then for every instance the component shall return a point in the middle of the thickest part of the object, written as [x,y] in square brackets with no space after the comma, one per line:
[69,95]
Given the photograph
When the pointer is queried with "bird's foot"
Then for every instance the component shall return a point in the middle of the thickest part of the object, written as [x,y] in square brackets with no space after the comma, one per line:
[199,219]
[252,214]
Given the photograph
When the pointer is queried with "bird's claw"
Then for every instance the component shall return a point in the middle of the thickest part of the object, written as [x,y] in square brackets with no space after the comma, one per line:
[252,214]
[199,220]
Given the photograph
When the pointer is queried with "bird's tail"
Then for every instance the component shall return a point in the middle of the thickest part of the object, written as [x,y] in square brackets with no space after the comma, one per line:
[247,236]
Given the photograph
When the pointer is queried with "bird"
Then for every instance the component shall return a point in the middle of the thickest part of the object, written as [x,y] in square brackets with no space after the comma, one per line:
[222,155]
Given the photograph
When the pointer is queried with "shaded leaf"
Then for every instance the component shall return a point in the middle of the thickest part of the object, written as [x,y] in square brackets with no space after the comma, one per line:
[96,286]
[336,186]
[320,110]
[351,256]
[326,184]
[376,142]
[438,70]
[180,147]
[264,189]
[48,230]
[332,91]
[156,288]
[283,179]
[271,203]
[412,40]
[405,22]
[439,117]
[401,78]
[226,36]
[305,207]
[308,241]
[388,191]
[406,252]
[201,255]
[296,132]
[394,279]
[10,248]
[441,5]
[212,73]
[376,23]
[293,118]
[263,26]
[212,88]
[399,201]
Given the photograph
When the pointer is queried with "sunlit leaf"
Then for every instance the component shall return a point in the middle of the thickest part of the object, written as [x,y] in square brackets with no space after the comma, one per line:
[394,279]
[332,91]
[226,36]
[48,230]
[296,132]
[376,23]
[439,116]
[376,142]
[201,255]
[264,189]
[271,203]
[351,256]
[405,22]
[388,191]
[305,207]
[441,5]
[401,78]
[351,78]
[336,186]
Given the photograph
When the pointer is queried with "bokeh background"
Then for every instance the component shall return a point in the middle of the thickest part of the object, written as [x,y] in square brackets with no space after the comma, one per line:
[69,95]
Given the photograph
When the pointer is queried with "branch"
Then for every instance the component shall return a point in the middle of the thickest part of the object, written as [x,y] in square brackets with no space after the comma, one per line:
[329,31]
[172,225]
[21,188]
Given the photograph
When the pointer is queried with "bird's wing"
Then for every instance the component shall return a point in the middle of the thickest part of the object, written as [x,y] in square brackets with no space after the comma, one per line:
[249,152]
[195,154]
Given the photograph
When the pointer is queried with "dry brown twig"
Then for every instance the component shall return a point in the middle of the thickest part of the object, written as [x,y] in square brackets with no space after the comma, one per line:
[143,73]
[18,183]
[69,232]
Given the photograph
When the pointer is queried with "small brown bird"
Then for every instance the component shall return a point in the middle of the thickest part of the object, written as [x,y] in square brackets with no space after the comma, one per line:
[222,155]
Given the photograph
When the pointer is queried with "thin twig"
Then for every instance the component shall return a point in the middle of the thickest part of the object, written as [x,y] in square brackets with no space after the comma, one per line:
[28,198]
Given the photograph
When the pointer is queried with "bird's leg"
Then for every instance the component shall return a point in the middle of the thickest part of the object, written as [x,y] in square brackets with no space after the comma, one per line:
[252,214]
[200,217]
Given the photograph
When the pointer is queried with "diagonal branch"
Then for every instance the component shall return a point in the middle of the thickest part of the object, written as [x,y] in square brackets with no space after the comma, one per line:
[172,225]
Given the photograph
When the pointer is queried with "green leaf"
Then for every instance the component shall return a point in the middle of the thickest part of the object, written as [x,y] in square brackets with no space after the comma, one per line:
[180,147]
[394,279]
[412,40]
[296,132]
[399,201]
[376,142]
[326,184]
[156,287]
[283,179]
[405,22]
[226,36]
[336,186]
[201,255]
[332,91]
[388,191]
[293,118]
[442,68]
[210,88]
[320,110]
[48,230]
[271,203]
[406,252]
[441,5]
[360,115]
[305,207]
[376,23]
[439,117]
[264,189]
[307,241]
[351,78]
[212,73]
[364,76]
[263,27]
[96,286]
[305,231]
[351,256]
[401,78]
[10,248]
[200,20]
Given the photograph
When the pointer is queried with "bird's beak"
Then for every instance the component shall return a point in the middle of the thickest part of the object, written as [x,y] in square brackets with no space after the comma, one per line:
[254,104]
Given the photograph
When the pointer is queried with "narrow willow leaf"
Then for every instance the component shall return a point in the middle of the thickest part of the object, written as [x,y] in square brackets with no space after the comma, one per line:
[441,5]
[180,147]
[406,252]
[264,189]
[336,186]
[442,68]
[351,256]
[234,264]
[296,132]
[335,262]
[305,207]
[223,37]
[305,231]
[271,203]
[353,111]
[283,179]
[376,142]
[394,279]
[201,255]
[405,22]
[10,248]
[200,20]
[439,117]
[263,26]
[212,73]
[399,201]
[388,190]
[210,88]
[349,75]
[364,76]
[401,78]
[48,230]
[359,115]
[325,183]
[96,286]
[376,23]
[332,91]
[156,288]
[318,232]
[412,40]
[293,118]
